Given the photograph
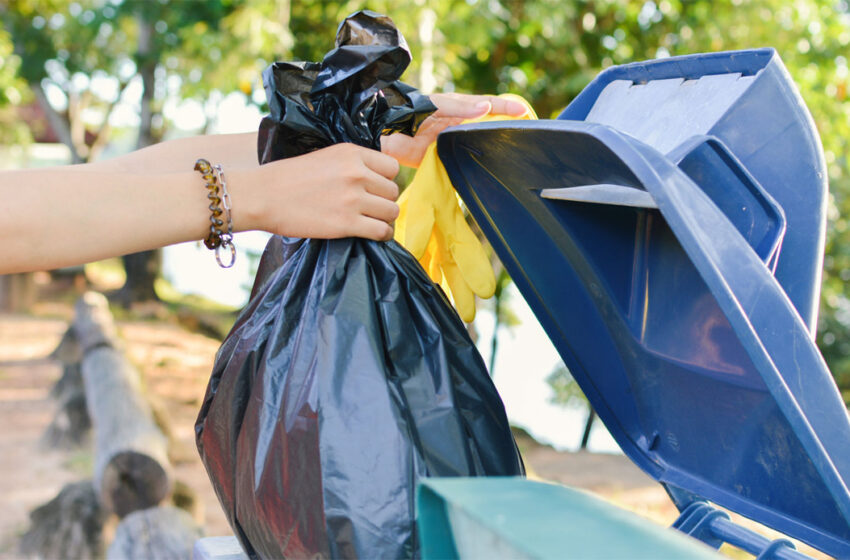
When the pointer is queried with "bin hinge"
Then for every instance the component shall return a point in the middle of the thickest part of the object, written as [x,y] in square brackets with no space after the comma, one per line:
[714,527]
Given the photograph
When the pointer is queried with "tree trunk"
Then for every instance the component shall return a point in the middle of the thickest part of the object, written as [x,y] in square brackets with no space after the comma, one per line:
[142,270]
[427,27]
[144,267]
[585,437]
[147,70]
[17,292]
[131,470]
[58,122]
[164,533]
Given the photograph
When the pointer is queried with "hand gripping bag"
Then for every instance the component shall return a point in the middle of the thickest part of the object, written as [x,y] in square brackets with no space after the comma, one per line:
[348,376]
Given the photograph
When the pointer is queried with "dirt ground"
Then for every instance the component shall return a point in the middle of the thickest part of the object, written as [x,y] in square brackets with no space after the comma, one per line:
[175,365]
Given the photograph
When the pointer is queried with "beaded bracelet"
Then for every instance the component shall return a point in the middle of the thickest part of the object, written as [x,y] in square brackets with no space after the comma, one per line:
[226,237]
[216,239]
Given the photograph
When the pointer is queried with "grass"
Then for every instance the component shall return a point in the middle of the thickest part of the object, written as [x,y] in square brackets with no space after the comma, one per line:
[195,313]
[80,462]
[175,299]
[107,274]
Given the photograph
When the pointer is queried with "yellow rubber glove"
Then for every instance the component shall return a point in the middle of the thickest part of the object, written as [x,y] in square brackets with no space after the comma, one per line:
[431,225]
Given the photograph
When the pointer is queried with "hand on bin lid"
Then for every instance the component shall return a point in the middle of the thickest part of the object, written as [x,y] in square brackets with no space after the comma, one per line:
[431,225]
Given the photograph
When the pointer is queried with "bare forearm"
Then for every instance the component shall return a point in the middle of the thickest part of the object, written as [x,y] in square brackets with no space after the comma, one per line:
[75,214]
[152,197]
[175,156]
[138,201]
[58,217]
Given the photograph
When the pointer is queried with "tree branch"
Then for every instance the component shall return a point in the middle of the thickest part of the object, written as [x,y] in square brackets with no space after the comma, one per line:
[57,122]
[102,135]
[76,105]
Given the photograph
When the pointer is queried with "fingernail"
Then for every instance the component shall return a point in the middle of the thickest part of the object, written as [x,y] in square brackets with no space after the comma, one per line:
[518,108]
[482,106]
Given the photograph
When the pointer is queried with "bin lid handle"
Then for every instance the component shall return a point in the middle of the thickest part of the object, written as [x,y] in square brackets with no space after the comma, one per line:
[603,193]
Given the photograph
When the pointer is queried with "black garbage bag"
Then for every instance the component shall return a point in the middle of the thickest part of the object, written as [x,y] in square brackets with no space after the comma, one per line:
[348,376]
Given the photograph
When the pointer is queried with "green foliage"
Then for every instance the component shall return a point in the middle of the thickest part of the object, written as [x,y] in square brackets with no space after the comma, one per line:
[565,390]
[90,50]
[224,46]
[13,93]
[545,50]
[548,51]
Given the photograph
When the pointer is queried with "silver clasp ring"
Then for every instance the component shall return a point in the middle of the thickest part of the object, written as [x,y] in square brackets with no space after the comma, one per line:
[225,243]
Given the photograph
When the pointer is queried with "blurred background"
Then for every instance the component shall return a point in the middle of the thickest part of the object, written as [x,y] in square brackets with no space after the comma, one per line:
[88,79]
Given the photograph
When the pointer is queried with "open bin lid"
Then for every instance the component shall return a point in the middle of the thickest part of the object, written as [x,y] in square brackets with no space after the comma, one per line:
[685,319]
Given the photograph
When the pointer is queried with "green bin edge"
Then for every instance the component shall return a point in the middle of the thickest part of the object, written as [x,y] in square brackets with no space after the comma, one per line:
[546,520]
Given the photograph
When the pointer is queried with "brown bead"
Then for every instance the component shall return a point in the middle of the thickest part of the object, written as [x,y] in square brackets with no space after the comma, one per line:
[212,240]
[203,166]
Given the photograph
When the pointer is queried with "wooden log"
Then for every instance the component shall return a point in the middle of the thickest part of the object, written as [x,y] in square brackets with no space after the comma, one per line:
[70,355]
[70,383]
[68,350]
[93,324]
[131,467]
[68,526]
[164,533]
[71,427]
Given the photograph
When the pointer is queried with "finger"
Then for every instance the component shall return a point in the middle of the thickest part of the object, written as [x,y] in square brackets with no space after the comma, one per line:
[504,106]
[379,208]
[382,187]
[473,106]
[380,163]
[459,105]
[370,228]
[432,126]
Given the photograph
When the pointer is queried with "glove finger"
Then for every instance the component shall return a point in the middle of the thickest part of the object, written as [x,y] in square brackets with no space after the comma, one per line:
[433,269]
[431,264]
[462,296]
[461,244]
[415,222]
[419,223]
[420,196]
[469,255]
[401,221]
[465,248]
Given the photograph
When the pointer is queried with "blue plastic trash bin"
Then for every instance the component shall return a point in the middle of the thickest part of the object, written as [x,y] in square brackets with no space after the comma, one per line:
[668,230]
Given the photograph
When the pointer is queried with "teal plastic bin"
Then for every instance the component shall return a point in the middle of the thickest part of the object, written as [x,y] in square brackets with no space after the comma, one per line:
[518,519]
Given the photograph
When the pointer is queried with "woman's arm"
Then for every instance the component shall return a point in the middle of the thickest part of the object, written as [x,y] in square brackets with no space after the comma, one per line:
[69,215]
[229,150]
[150,198]
[240,150]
